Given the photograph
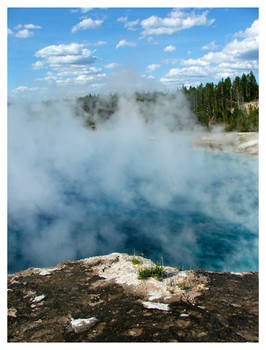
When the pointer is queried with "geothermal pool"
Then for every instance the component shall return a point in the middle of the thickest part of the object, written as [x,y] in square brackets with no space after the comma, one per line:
[210,225]
[75,193]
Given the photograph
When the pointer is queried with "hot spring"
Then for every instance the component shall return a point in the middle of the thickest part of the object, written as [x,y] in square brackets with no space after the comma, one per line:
[74,192]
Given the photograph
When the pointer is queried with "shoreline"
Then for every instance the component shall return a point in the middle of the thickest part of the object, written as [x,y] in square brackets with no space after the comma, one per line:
[229,142]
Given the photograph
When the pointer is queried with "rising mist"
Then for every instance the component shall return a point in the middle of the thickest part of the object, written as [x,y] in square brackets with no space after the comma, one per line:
[133,183]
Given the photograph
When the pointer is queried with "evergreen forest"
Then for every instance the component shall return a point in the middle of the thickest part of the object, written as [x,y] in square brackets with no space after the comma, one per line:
[233,104]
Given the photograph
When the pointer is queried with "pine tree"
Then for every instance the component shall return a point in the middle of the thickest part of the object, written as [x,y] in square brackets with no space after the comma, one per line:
[252,87]
[244,87]
[236,91]
[228,93]
[223,102]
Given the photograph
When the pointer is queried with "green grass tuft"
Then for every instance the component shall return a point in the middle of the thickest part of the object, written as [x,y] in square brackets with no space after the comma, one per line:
[156,272]
[178,268]
[181,285]
[135,261]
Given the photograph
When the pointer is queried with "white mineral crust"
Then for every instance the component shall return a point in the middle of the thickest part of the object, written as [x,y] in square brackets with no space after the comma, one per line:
[38,298]
[159,306]
[81,324]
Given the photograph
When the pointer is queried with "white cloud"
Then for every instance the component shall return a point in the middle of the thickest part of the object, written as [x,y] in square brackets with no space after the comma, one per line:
[65,81]
[148,76]
[61,50]
[171,61]
[94,69]
[111,65]
[49,77]
[80,78]
[245,49]
[210,46]
[153,67]
[24,33]
[100,43]
[74,77]
[87,23]
[69,59]
[238,56]
[125,43]
[9,31]
[32,26]
[27,26]
[69,65]
[86,9]
[122,19]
[175,21]
[169,48]
[23,89]
[63,57]
[82,10]
[250,32]
[151,40]
[71,71]
[18,26]
[186,75]
[38,65]
[131,25]
[84,78]
[192,71]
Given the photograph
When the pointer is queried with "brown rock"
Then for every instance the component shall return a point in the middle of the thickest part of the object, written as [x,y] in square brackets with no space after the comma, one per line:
[225,312]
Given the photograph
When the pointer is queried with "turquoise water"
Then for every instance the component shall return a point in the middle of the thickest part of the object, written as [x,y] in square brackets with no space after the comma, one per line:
[205,217]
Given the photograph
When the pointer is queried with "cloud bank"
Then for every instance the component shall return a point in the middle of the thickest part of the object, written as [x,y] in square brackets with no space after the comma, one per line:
[69,65]
[238,56]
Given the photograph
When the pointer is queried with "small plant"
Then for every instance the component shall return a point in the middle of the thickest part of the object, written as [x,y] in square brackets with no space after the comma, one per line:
[181,285]
[135,261]
[178,268]
[146,272]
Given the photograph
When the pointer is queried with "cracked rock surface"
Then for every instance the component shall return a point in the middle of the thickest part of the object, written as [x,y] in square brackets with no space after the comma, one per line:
[101,299]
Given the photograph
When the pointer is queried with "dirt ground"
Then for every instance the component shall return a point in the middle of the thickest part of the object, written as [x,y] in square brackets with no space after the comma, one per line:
[41,306]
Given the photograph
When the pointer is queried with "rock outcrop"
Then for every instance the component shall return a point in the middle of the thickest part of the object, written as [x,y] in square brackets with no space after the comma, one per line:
[101,299]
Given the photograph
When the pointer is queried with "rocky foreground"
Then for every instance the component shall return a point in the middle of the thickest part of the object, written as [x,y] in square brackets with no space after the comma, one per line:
[101,299]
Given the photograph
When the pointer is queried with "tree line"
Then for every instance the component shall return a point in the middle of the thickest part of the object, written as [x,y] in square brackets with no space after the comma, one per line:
[227,102]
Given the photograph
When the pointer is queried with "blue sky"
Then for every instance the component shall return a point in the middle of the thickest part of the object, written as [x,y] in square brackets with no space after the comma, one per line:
[78,50]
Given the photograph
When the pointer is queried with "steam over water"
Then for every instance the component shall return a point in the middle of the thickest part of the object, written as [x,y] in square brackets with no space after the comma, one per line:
[74,192]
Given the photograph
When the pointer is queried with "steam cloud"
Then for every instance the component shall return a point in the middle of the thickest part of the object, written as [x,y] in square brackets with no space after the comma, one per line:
[133,183]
